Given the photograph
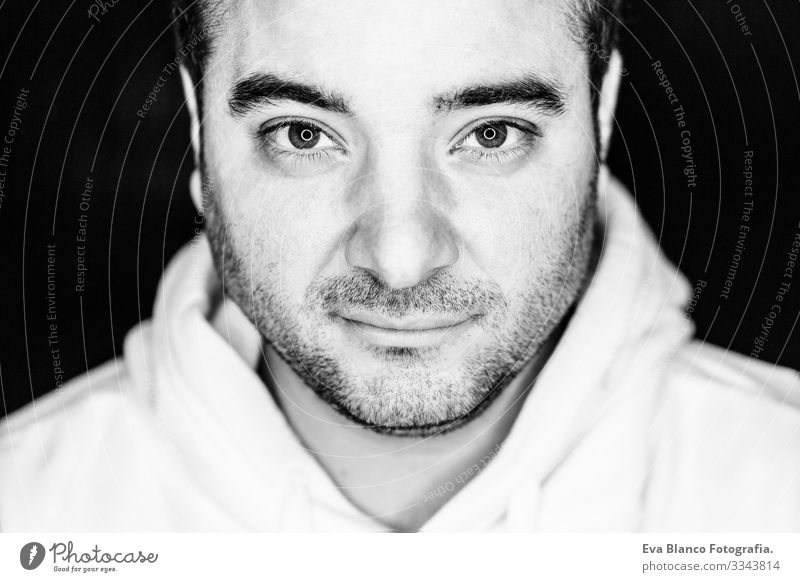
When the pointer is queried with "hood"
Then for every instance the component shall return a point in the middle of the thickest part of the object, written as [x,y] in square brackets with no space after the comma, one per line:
[196,363]
[577,458]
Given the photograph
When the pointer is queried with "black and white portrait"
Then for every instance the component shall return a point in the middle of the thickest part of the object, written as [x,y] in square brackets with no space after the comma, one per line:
[360,266]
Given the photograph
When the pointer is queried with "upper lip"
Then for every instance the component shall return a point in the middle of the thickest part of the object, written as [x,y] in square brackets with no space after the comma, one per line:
[429,322]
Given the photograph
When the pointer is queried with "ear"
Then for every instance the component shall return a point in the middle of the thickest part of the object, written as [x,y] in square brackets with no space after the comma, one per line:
[189,92]
[608,102]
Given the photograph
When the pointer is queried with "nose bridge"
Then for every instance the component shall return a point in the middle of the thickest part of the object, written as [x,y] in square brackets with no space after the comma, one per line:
[396,187]
[396,171]
[403,235]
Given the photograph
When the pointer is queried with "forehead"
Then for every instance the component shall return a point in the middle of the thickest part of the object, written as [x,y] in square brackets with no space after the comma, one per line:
[398,48]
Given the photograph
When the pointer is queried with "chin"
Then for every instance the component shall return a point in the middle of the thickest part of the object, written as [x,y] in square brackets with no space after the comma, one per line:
[404,397]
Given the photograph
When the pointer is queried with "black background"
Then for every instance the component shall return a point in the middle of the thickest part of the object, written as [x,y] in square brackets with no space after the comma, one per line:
[87,78]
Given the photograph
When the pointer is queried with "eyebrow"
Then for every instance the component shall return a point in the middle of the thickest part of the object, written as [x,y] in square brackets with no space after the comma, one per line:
[530,91]
[266,89]
[261,89]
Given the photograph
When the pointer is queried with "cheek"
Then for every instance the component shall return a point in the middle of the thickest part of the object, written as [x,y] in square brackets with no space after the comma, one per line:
[287,232]
[526,226]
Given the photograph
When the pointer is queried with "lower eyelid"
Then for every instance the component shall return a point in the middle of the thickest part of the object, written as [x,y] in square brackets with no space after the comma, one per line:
[282,157]
[512,152]
[522,147]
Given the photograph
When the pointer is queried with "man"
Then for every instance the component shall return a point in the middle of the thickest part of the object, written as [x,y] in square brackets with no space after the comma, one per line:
[421,303]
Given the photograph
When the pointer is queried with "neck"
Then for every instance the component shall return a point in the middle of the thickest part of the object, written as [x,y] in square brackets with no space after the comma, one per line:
[399,481]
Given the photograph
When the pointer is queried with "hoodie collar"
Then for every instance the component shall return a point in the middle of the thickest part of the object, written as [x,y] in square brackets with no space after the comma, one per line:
[197,360]
[623,331]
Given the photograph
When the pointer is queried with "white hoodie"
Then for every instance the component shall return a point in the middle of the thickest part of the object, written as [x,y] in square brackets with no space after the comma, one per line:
[631,426]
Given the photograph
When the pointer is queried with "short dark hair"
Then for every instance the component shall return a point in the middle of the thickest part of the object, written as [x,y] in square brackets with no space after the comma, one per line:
[194,23]
[598,23]
[595,26]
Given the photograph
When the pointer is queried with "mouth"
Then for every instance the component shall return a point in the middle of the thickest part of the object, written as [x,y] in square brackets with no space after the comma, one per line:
[414,332]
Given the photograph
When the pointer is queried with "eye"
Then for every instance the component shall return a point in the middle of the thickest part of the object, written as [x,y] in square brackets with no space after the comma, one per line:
[491,135]
[498,141]
[297,140]
[300,136]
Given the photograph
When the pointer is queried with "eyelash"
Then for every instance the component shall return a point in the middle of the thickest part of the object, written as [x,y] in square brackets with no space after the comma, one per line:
[497,156]
[264,136]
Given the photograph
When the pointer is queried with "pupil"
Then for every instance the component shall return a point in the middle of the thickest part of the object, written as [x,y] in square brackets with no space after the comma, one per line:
[303,137]
[492,136]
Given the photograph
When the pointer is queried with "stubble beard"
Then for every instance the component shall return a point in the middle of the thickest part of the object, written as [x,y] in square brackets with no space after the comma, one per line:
[411,399]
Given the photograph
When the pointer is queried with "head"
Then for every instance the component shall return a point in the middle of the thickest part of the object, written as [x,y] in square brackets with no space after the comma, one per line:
[403,193]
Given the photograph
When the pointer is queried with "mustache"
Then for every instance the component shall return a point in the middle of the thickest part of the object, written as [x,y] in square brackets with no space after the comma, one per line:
[442,293]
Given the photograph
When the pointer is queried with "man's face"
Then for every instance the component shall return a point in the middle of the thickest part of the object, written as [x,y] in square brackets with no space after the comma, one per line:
[403,193]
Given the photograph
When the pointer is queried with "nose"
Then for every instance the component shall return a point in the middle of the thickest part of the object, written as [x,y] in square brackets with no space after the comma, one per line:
[402,239]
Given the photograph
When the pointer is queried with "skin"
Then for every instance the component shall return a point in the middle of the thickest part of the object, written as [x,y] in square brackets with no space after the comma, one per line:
[409,281]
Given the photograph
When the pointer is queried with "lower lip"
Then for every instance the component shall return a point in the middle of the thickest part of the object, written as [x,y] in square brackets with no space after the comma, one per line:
[404,338]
